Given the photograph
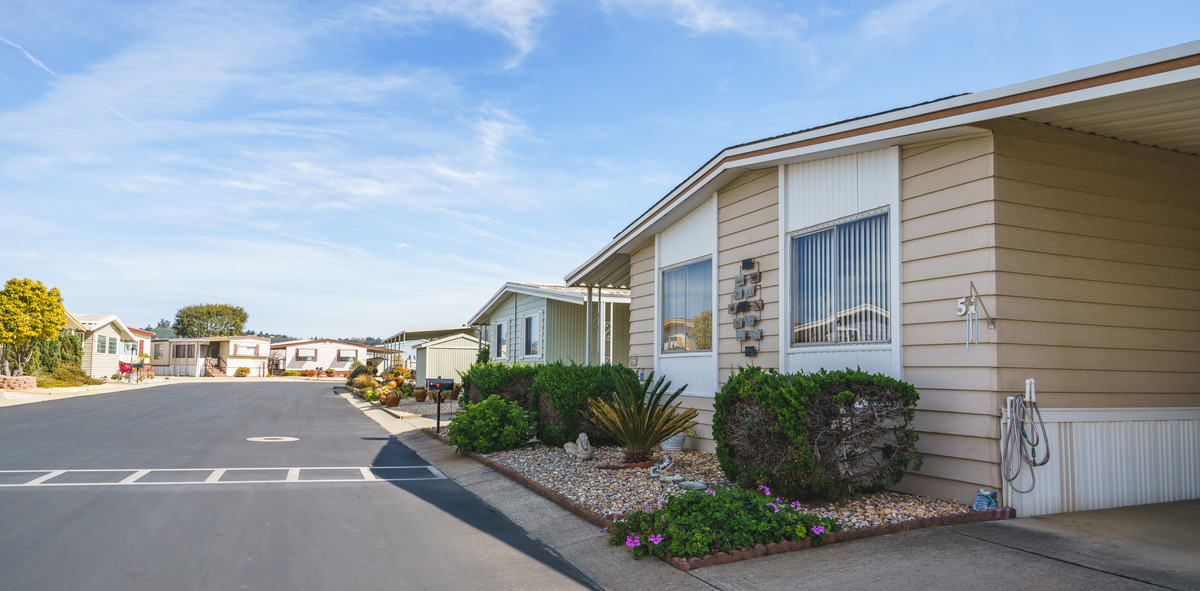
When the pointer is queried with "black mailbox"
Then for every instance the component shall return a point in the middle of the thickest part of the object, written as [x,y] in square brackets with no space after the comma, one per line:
[440,386]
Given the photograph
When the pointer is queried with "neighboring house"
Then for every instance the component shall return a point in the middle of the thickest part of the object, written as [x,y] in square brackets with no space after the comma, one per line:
[210,356]
[445,357]
[403,345]
[1071,204]
[130,350]
[530,323]
[323,354]
[105,339]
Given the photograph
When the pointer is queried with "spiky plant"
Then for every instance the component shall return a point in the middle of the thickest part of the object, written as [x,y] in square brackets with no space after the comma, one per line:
[640,415]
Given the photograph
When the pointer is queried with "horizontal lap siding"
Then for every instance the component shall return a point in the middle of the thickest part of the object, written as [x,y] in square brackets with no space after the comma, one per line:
[947,242]
[748,227]
[641,308]
[1098,260]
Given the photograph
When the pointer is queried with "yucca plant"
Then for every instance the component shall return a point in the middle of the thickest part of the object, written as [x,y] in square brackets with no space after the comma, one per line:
[640,415]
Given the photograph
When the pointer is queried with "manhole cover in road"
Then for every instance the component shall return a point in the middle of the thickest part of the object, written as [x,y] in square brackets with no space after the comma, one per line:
[271,439]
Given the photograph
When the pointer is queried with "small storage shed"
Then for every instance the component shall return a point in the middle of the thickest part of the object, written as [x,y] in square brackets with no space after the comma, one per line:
[445,357]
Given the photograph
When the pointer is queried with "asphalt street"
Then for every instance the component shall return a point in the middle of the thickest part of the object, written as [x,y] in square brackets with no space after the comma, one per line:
[251,485]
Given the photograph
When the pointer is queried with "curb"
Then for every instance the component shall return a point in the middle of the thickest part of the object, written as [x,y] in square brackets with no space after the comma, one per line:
[686,563]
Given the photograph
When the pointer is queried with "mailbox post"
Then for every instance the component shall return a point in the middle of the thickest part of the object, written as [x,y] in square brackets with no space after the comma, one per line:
[439,386]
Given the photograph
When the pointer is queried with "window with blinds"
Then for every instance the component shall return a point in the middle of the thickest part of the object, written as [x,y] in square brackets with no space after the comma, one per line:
[687,307]
[841,282]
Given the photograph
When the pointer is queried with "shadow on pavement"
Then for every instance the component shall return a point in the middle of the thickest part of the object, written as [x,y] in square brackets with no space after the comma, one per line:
[452,498]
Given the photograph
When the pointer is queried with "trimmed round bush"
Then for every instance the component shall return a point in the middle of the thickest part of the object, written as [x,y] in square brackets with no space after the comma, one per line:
[510,382]
[826,435]
[491,425]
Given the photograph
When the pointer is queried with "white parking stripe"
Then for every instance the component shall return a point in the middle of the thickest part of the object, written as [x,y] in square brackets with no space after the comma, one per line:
[44,478]
[366,474]
[132,478]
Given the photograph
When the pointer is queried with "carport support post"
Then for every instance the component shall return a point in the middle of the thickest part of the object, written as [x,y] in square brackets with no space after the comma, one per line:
[587,333]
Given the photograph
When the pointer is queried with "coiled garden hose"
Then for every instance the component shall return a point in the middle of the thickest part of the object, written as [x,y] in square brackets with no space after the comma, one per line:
[1022,438]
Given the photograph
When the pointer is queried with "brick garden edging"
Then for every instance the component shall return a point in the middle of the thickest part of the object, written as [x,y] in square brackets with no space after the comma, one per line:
[18,382]
[691,562]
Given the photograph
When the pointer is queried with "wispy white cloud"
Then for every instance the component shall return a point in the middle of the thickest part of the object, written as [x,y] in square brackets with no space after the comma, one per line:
[518,21]
[900,20]
[714,16]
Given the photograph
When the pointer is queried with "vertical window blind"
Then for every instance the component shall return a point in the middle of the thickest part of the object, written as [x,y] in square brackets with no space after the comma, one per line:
[841,283]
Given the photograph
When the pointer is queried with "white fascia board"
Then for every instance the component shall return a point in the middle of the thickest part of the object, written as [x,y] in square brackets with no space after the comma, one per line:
[486,310]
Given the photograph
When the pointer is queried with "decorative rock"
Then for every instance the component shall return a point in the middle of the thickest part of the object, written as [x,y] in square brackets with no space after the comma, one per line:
[581,449]
[693,485]
[670,478]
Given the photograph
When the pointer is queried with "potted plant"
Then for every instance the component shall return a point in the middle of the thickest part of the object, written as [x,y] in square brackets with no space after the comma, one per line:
[674,443]
[329,372]
[420,393]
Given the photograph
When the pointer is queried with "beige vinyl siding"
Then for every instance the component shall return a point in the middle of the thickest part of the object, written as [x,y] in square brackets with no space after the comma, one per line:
[1098,269]
[564,332]
[99,365]
[748,227]
[642,325]
[947,241]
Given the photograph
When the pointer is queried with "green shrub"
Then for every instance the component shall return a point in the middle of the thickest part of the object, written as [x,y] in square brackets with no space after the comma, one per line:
[491,425]
[369,394]
[290,373]
[66,376]
[510,382]
[824,435]
[563,392]
[242,372]
[640,415]
[706,522]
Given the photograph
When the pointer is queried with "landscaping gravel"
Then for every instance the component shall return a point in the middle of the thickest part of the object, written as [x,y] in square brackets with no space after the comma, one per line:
[412,407]
[593,484]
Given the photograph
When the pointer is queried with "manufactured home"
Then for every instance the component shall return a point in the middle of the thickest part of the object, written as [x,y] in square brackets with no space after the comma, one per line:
[321,354]
[1048,231]
[106,342]
[210,356]
[530,323]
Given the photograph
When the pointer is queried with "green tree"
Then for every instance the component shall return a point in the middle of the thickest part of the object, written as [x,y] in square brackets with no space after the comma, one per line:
[702,330]
[210,320]
[29,313]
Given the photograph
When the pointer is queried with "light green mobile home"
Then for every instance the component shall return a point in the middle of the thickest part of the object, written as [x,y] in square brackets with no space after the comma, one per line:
[530,323]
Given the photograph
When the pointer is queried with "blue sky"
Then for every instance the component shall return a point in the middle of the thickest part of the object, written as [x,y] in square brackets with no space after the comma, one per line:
[359,168]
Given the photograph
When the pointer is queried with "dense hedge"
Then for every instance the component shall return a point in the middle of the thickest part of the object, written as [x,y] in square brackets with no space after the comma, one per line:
[824,435]
[562,393]
[510,382]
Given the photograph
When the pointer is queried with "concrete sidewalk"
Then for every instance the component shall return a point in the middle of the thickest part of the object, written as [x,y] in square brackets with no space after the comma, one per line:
[1145,547]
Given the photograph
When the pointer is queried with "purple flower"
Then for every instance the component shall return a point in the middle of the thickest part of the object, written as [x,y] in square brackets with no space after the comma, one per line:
[657,539]
[766,491]
[774,506]
[818,529]
[710,491]
[633,541]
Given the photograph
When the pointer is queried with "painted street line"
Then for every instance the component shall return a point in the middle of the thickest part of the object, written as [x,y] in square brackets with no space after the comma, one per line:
[287,475]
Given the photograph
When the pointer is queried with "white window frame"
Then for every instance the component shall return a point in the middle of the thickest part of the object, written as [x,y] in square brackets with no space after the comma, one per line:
[662,306]
[347,355]
[889,291]
[499,329]
[101,344]
[541,352]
